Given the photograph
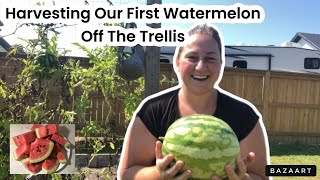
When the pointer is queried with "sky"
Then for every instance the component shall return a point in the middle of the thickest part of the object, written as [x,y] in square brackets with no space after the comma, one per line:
[283,19]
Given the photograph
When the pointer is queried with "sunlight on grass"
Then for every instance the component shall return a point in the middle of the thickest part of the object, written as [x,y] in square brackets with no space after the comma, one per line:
[295,154]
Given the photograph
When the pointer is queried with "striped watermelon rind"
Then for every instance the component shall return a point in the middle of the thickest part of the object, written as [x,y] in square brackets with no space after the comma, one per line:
[205,143]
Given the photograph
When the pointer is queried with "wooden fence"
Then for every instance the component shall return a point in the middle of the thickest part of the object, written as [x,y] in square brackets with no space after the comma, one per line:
[288,102]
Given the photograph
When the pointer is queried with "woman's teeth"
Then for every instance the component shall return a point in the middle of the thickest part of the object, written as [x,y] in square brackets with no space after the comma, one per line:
[199,77]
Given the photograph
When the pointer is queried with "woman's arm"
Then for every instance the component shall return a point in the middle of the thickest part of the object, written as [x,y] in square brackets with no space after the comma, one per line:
[257,142]
[139,152]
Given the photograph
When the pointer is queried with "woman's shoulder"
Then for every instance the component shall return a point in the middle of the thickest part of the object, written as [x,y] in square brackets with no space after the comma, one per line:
[162,96]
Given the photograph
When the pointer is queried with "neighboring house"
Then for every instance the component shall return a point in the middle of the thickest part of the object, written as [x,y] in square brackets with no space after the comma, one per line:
[302,54]
[307,40]
[4,45]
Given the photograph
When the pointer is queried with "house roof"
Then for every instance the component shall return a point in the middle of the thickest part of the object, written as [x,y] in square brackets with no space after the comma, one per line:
[313,39]
[4,44]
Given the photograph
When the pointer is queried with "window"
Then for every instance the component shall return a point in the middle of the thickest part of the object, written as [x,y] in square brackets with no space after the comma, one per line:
[240,64]
[165,60]
[311,63]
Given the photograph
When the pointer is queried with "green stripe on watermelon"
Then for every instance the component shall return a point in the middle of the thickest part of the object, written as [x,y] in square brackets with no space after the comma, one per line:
[205,144]
[40,150]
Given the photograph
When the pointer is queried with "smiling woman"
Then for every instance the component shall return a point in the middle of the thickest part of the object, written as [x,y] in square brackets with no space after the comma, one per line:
[199,65]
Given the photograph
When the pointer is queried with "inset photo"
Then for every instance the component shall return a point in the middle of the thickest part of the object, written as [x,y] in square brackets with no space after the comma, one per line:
[42,149]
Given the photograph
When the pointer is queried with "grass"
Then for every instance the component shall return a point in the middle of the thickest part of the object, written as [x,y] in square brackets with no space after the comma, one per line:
[295,154]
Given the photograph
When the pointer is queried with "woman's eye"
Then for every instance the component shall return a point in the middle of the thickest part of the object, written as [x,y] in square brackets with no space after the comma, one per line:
[192,58]
[211,59]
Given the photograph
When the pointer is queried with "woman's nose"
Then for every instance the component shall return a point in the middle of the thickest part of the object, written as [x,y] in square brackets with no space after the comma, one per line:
[201,65]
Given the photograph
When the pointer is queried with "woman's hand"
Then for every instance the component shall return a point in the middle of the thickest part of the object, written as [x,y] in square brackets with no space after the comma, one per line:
[165,171]
[241,170]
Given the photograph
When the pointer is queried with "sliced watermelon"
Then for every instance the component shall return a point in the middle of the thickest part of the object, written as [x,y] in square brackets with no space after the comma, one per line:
[40,150]
[34,168]
[47,130]
[61,140]
[53,128]
[50,165]
[26,138]
[61,157]
[55,150]
[22,152]
[41,132]
[35,126]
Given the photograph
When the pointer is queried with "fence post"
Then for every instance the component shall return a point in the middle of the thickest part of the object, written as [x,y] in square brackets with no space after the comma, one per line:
[152,62]
[266,99]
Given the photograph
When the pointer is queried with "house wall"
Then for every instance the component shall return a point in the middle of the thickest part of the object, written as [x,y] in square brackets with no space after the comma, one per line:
[283,58]
[306,44]
[252,62]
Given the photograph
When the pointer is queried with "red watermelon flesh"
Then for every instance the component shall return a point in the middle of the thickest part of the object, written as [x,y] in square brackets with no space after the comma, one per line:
[41,132]
[59,139]
[35,126]
[26,138]
[61,157]
[53,128]
[50,165]
[40,150]
[55,150]
[34,168]
[22,152]
[47,130]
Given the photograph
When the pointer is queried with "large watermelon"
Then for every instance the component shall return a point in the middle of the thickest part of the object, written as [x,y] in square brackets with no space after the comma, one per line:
[205,143]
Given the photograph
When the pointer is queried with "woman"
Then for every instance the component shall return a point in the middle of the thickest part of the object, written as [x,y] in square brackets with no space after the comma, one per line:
[199,65]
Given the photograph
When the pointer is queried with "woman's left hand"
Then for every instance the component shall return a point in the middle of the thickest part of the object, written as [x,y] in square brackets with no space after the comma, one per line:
[241,170]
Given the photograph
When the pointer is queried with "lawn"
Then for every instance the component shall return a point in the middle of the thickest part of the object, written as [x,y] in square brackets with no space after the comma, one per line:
[295,154]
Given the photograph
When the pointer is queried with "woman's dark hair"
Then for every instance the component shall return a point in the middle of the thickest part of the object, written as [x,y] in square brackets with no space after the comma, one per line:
[204,29]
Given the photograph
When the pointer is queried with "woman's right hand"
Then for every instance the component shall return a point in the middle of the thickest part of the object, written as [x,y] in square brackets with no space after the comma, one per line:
[167,172]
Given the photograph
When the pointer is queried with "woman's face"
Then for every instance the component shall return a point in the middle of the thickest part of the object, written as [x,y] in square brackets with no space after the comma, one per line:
[199,63]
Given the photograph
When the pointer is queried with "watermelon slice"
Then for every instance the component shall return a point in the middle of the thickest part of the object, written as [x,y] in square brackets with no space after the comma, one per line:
[61,140]
[22,152]
[40,149]
[35,126]
[26,138]
[61,157]
[41,132]
[50,165]
[55,150]
[47,130]
[53,128]
[34,168]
